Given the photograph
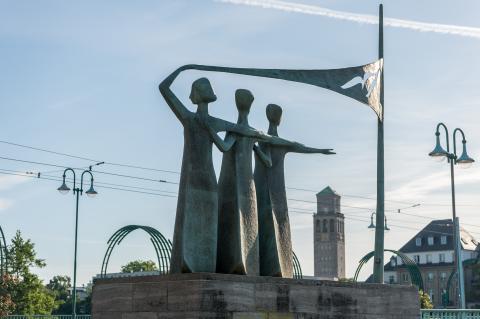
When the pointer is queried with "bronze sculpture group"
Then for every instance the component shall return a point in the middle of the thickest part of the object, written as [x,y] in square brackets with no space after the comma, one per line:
[239,225]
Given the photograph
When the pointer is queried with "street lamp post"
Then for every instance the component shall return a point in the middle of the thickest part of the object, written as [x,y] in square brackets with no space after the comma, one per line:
[64,189]
[464,161]
[372,224]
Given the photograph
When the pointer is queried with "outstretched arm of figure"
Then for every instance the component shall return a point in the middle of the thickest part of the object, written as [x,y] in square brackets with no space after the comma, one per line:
[223,145]
[300,148]
[220,125]
[264,156]
[173,102]
[295,146]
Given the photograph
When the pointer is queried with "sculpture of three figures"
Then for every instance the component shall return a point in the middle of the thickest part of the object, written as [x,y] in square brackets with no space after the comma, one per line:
[239,225]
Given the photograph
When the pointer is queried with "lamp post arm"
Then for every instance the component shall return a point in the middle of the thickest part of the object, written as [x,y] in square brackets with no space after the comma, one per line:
[446,134]
[81,179]
[68,169]
[455,140]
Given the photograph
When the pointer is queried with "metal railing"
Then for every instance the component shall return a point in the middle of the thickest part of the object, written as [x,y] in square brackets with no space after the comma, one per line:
[46,317]
[450,313]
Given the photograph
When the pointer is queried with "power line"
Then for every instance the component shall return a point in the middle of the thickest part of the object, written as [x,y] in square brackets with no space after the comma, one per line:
[175,183]
[176,172]
[8,172]
[100,172]
[16,173]
[88,159]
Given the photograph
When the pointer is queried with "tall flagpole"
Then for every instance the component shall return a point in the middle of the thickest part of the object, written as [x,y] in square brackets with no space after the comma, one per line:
[380,224]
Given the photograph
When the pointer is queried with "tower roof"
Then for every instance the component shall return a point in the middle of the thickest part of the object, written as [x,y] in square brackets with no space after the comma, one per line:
[327,191]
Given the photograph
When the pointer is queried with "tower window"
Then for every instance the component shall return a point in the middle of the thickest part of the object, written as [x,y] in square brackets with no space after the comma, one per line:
[332,225]
[325,226]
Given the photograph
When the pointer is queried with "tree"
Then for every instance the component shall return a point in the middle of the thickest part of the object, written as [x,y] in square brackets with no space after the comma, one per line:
[425,302]
[139,266]
[60,286]
[27,291]
[7,306]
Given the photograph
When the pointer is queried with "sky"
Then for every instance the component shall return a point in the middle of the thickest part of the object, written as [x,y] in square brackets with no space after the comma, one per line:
[82,78]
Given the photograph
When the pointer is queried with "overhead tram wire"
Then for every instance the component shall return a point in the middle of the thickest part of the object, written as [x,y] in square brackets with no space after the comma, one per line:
[357,218]
[16,173]
[175,183]
[88,159]
[176,172]
[168,182]
[96,171]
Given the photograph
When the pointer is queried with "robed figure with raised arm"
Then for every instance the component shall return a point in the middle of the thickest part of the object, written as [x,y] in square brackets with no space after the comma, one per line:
[195,235]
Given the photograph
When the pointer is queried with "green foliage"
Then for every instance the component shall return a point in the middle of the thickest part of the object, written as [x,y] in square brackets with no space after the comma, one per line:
[60,286]
[346,280]
[7,306]
[425,302]
[27,291]
[139,266]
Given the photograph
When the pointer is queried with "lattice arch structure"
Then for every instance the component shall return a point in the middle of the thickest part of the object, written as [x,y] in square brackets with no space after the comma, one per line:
[468,262]
[412,267]
[297,269]
[162,246]
[3,253]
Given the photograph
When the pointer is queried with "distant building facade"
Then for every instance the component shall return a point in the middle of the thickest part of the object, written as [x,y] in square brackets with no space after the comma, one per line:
[329,236]
[432,249]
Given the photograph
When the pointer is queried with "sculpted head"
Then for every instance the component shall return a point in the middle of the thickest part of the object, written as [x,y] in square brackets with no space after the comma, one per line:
[274,114]
[243,100]
[202,92]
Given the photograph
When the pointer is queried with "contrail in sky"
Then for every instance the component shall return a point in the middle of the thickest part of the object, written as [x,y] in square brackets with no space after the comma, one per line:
[360,18]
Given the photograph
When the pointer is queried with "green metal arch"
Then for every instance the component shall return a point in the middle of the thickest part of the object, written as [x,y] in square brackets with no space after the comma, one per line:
[468,262]
[297,269]
[412,267]
[162,246]
[3,254]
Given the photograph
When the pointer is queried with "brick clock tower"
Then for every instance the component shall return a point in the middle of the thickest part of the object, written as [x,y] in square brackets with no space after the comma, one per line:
[329,236]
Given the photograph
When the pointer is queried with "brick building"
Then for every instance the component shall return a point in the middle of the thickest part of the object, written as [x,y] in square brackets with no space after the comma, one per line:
[329,236]
[432,249]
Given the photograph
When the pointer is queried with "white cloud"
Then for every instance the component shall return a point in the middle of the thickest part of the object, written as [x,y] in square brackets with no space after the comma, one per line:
[360,18]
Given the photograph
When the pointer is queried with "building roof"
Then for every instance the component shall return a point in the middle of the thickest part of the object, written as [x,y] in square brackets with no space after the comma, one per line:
[327,191]
[436,229]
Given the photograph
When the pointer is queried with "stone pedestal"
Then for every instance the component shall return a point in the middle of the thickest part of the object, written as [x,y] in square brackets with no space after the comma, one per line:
[202,295]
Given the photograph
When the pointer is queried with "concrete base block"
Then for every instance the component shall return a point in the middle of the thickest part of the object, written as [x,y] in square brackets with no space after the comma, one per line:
[204,295]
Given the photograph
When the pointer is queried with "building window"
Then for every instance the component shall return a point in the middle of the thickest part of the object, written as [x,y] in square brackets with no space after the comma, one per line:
[332,225]
[430,276]
[443,276]
[416,258]
[418,241]
[391,279]
[441,257]
[443,240]
[405,277]
[430,293]
[325,225]
[429,259]
[393,261]
[430,240]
